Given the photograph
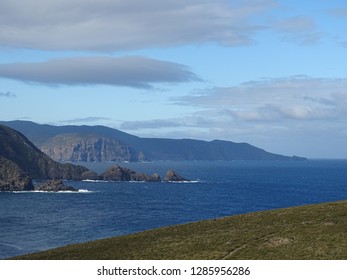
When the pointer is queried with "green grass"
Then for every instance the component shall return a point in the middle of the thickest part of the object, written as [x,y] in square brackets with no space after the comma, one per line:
[306,232]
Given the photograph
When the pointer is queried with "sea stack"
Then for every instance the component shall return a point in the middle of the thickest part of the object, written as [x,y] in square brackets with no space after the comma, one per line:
[173,176]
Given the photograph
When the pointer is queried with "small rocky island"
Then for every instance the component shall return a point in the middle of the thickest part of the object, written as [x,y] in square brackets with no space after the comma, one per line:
[173,176]
[55,185]
[117,173]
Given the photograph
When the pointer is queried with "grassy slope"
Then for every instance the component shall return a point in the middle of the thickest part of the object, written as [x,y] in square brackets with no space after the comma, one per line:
[307,232]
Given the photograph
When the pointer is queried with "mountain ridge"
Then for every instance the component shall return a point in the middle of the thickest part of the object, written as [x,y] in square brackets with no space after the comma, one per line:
[100,143]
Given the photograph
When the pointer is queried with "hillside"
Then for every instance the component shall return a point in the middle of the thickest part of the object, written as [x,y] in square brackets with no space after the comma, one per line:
[20,155]
[305,232]
[100,143]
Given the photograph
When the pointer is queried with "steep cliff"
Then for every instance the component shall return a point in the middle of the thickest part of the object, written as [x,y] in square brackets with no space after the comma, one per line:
[87,148]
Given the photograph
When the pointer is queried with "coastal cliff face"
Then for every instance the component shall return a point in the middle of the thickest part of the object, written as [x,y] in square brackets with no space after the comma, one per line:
[89,148]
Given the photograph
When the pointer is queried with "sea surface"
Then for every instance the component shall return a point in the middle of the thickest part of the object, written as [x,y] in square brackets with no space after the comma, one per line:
[35,221]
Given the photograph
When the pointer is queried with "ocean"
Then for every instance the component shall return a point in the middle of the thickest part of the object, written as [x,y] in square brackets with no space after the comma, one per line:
[35,221]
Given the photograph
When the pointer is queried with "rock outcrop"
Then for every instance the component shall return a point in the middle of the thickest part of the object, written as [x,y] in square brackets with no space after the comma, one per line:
[173,176]
[90,175]
[117,173]
[55,185]
[12,178]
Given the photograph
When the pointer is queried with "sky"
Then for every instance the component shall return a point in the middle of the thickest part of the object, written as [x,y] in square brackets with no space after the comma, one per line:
[271,73]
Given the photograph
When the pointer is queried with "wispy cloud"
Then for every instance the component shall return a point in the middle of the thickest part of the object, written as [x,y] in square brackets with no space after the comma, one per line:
[7,94]
[86,120]
[340,12]
[299,29]
[121,25]
[152,124]
[138,72]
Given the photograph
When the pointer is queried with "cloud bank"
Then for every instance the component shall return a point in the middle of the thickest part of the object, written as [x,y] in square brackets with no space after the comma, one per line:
[137,72]
[112,25]
[295,98]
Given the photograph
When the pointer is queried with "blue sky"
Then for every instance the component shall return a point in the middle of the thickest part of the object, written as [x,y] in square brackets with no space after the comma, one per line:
[270,73]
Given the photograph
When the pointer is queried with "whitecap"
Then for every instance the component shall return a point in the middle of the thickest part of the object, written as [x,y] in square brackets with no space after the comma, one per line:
[84,191]
[94,181]
[184,182]
[35,191]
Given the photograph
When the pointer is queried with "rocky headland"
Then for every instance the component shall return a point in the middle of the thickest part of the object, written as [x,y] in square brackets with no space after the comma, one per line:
[16,148]
[21,162]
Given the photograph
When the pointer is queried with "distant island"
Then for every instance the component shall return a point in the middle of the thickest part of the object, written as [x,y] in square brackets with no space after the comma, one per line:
[104,144]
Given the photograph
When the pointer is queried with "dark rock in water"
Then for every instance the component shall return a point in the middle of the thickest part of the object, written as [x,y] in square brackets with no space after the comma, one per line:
[173,176]
[154,178]
[117,173]
[55,185]
[90,175]
[13,178]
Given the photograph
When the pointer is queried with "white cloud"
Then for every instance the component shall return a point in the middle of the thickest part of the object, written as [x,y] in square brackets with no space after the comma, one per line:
[135,72]
[111,25]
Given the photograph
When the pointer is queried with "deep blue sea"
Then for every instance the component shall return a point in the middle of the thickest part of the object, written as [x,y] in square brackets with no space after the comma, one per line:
[35,221]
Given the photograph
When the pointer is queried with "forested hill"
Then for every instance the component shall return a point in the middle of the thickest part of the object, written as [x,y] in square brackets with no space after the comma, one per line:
[100,143]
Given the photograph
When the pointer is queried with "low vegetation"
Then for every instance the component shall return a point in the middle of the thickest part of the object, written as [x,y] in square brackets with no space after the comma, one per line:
[306,232]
